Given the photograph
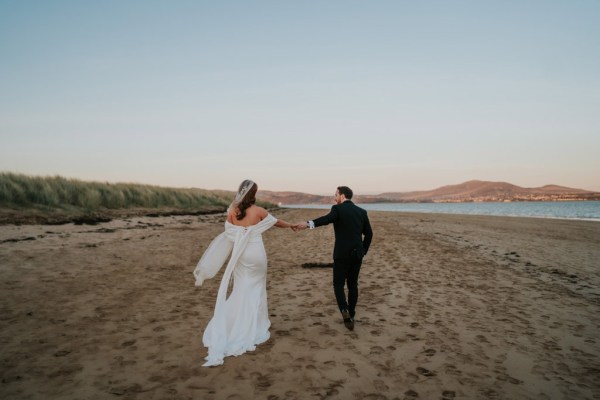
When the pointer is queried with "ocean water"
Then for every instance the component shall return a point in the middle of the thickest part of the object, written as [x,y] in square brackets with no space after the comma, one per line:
[585,210]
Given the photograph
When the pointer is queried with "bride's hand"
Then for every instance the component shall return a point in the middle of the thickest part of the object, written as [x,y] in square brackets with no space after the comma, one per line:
[299,227]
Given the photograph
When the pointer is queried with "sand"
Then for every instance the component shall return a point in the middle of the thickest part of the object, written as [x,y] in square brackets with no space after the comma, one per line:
[450,307]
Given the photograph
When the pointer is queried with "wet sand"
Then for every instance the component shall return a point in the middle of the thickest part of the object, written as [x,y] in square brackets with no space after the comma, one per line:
[450,307]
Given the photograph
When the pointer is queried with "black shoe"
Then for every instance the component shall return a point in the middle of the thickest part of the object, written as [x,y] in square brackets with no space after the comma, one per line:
[348,320]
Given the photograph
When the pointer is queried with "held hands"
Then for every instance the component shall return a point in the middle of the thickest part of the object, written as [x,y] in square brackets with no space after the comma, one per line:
[300,226]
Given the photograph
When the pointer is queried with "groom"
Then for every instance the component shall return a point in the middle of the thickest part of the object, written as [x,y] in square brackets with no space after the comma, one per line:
[353,236]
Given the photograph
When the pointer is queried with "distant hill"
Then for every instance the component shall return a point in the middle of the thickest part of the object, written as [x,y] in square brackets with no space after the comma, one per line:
[471,191]
[292,197]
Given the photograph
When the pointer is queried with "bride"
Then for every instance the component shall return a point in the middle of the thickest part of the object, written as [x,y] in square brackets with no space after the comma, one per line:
[240,321]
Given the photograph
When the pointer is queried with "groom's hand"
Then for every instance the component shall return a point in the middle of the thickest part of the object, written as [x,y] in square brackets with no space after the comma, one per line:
[299,226]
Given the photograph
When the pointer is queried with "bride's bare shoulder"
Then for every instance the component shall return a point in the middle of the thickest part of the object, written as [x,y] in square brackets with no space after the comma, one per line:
[261,211]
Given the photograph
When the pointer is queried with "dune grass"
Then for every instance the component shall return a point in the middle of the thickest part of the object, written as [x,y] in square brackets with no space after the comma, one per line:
[56,194]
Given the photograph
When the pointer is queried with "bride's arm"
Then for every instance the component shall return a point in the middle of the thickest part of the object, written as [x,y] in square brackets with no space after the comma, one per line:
[280,223]
[283,224]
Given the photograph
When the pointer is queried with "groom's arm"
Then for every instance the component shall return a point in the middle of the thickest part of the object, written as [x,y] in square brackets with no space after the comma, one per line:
[325,219]
[367,233]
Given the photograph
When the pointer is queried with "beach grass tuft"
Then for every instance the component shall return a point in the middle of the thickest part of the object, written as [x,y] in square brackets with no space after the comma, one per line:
[22,191]
[76,197]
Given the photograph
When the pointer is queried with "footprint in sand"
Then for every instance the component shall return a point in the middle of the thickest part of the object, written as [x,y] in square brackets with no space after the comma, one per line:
[377,350]
[425,372]
[448,395]
[353,372]
[261,382]
[413,337]
[65,371]
[374,396]
[381,386]
[506,377]
[429,352]
[481,338]
[291,394]
[122,390]
[329,332]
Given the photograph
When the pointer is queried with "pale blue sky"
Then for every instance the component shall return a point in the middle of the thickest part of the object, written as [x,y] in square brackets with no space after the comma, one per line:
[302,95]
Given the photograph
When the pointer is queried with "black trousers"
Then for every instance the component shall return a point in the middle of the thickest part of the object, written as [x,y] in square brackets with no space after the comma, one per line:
[345,271]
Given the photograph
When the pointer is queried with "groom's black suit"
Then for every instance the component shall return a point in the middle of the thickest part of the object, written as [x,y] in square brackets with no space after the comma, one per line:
[353,235]
[350,223]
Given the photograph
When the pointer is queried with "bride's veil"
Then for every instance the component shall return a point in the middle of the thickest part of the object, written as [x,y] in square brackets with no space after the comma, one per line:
[243,190]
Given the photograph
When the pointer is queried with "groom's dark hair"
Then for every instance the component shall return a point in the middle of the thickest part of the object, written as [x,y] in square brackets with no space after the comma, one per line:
[346,191]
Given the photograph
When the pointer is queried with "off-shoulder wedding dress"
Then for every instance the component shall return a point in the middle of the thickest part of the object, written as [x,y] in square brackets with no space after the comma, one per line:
[241,320]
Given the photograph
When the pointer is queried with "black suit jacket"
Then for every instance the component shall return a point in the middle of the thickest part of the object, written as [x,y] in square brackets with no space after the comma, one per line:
[352,229]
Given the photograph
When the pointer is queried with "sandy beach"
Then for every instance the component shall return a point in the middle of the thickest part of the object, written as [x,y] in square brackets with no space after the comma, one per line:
[451,307]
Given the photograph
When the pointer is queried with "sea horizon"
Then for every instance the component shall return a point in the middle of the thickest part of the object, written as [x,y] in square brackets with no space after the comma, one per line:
[572,210]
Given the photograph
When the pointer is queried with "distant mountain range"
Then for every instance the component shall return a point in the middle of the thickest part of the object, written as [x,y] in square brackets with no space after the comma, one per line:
[471,191]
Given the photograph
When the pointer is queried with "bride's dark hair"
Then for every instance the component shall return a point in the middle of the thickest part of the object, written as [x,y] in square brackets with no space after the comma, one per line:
[248,200]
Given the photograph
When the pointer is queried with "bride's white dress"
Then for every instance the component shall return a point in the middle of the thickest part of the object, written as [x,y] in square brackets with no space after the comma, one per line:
[240,321]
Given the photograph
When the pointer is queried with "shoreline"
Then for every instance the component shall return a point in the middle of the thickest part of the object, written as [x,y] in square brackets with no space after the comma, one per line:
[34,216]
[450,306]
[370,207]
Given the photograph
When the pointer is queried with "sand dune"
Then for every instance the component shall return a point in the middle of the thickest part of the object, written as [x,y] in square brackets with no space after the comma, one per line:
[450,307]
